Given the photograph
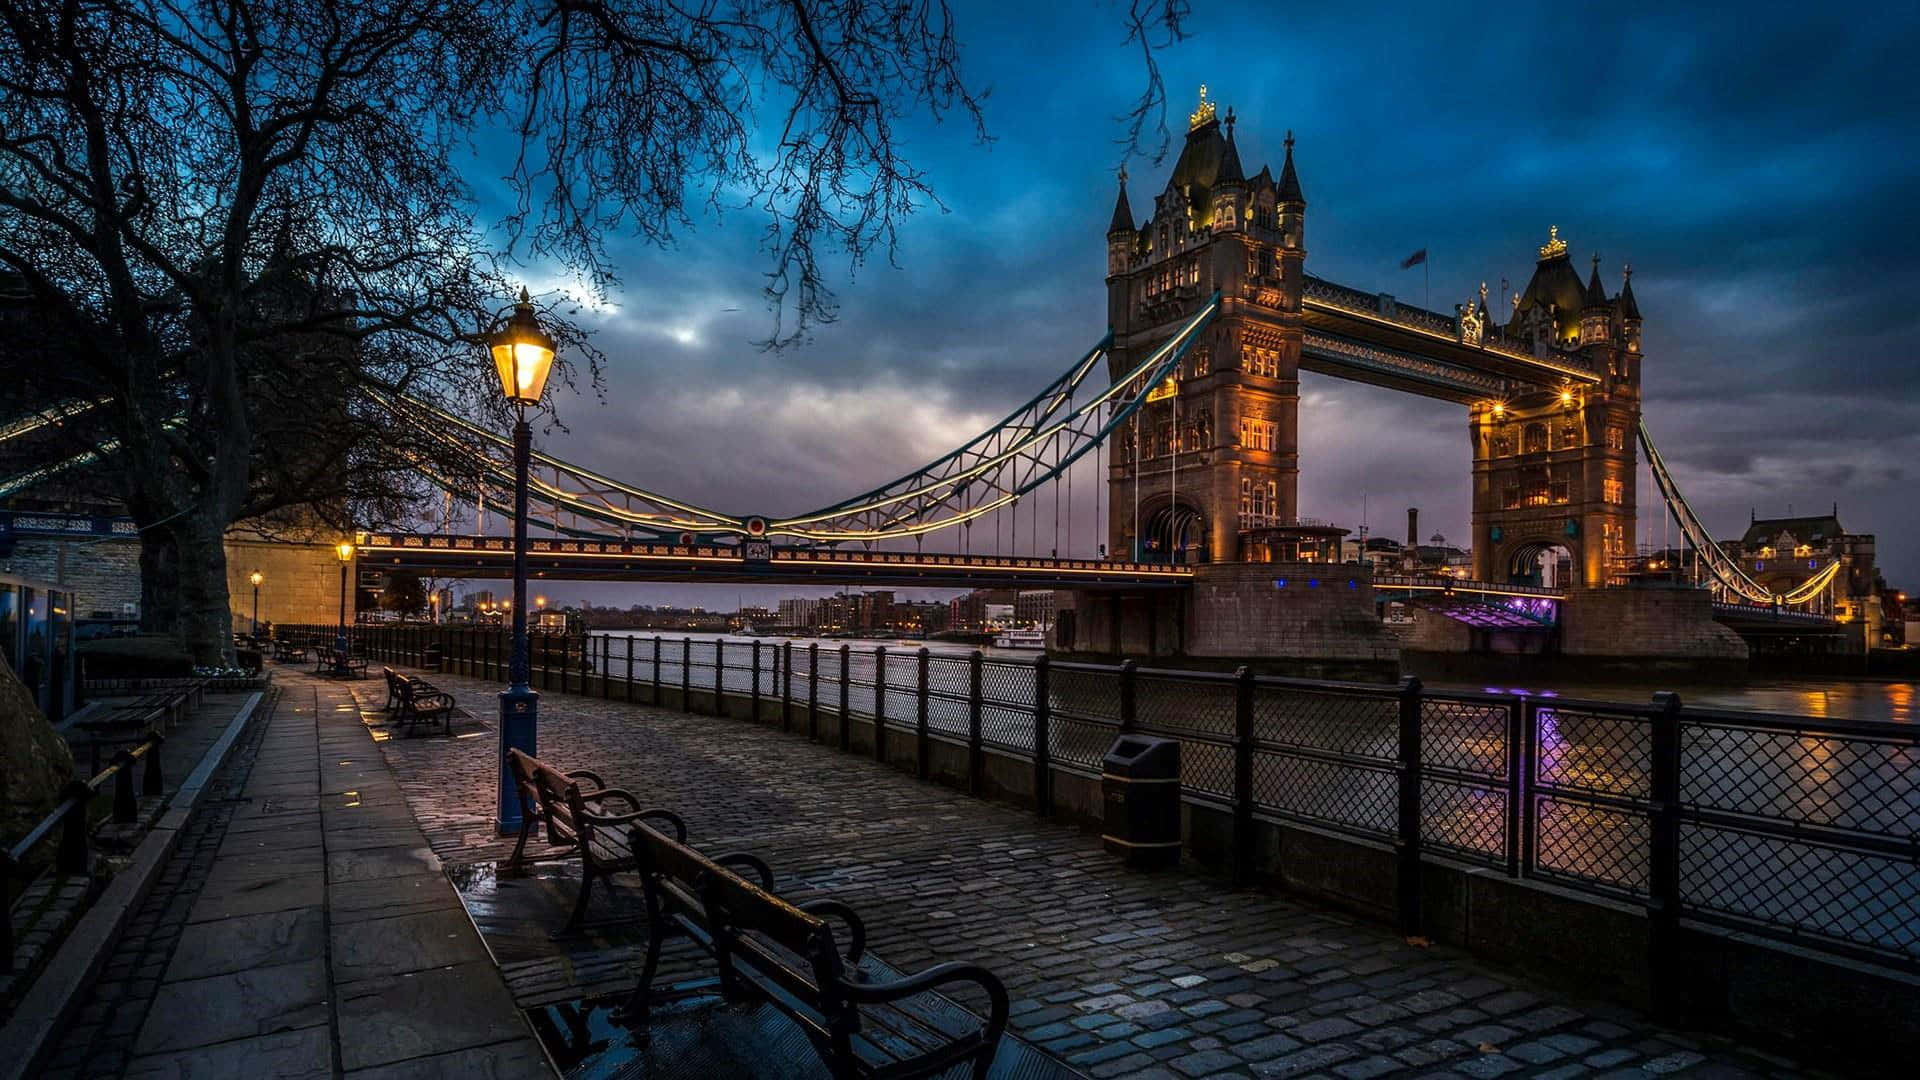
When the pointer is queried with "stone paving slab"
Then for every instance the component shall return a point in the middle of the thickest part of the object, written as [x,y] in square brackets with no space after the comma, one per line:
[310,932]
[1114,972]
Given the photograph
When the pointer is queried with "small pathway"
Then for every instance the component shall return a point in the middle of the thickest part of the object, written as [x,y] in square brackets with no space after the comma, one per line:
[304,929]
[1117,973]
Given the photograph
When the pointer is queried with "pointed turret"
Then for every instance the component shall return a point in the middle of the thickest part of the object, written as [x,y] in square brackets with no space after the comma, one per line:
[1289,180]
[1628,309]
[1596,293]
[1122,213]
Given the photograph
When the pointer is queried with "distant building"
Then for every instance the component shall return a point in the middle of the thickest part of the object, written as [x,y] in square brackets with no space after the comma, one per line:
[1034,608]
[799,613]
[1784,553]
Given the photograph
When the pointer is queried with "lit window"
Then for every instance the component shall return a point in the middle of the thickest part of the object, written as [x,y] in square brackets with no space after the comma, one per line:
[1616,439]
[1257,434]
[1613,491]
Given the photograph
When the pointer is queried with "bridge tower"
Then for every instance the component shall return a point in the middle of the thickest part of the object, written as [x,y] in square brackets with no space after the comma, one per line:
[1214,450]
[1555,468]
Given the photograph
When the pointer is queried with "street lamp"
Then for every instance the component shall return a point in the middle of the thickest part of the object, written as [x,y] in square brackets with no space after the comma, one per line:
[522,356]
[257,578]
[344,549]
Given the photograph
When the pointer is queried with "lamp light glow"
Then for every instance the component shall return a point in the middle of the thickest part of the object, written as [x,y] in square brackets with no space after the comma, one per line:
[344,549]
[522,354]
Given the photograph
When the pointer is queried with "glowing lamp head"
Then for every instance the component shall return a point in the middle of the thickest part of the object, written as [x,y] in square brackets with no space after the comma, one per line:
[1499,410]
[1566,397]
[522,354]
[344,549]
[257,578]
[540,601]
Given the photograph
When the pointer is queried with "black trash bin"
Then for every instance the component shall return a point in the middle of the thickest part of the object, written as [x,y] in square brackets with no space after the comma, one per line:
[430,657]
[1141,782]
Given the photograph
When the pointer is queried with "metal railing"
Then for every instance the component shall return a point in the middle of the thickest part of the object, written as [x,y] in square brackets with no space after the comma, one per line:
[1797,828]
[72,855]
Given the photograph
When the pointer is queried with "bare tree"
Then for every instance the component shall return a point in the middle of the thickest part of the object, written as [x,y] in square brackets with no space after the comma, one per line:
[233,217]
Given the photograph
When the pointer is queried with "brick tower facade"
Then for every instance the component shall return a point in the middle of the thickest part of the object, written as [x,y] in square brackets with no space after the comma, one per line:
[1213,451]
[1555,469]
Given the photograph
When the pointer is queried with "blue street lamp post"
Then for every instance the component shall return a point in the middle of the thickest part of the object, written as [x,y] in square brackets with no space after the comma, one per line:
[522,356]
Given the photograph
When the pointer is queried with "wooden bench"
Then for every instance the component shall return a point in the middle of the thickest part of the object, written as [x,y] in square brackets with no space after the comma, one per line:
[576,824]
[334,660]
[416,701]
[785,953]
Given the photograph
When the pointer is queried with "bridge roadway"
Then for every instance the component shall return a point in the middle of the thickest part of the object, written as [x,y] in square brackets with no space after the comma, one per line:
[619,560]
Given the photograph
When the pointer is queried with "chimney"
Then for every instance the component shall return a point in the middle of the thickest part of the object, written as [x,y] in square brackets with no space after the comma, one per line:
[1413,526]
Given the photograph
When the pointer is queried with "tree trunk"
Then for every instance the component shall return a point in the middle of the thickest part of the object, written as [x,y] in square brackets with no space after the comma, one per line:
[204,620]
[159,582]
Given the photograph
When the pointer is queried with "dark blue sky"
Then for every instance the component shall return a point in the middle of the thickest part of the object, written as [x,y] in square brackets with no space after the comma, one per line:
[1755,163]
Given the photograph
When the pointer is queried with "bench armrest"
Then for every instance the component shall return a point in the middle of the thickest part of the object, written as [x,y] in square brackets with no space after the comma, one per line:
[751,862]
[938,975]
[609,821]
[588,774]
[611,793]
[856,930]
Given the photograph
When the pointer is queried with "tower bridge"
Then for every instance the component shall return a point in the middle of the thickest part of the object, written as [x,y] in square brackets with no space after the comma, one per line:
[1185,418]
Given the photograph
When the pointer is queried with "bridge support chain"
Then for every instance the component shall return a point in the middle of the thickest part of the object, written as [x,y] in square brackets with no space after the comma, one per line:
[1663,848]
[1407,835]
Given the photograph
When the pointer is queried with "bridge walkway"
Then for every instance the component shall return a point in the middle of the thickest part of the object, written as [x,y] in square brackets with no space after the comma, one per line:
[1114,972]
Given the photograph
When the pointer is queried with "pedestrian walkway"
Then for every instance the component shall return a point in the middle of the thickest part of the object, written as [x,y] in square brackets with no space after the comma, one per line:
[1115,972]
[304,930]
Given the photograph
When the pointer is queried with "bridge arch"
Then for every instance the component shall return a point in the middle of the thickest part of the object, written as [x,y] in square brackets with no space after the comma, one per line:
[1175,531]
[1536,560]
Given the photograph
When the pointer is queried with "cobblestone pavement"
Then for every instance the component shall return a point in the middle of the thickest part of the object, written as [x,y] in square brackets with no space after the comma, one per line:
[1115,972]
[303,929]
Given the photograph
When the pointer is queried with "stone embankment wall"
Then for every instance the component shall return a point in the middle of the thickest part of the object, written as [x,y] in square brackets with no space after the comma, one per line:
[1299,610]
[1672,624]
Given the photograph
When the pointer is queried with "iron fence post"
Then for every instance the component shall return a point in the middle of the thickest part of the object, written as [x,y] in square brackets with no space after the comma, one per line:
[976,759]
[125,806]
[71,856]
[656,670]
[1529,771]
[151,780]
[846,724]
[753,695]
[606,668]
[786,686]
[880,703]
[1663,848]
[629,669]
[813,691]
[1407,840]
[1242,775]
[719,676]
[923,746]
[1042,740]
[1516,784]
[686,674]
[1128,702]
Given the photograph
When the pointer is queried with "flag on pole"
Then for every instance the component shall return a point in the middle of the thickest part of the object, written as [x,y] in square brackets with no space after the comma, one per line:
[1414,259]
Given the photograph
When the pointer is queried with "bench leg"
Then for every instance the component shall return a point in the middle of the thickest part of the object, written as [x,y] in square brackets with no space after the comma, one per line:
[580,905]
[520,845]
[636,1007]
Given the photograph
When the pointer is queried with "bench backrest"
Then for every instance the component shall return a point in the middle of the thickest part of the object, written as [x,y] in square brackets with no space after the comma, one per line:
[739,915]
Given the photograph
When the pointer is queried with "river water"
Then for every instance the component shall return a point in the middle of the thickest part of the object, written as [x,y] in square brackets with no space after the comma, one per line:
[1837,699]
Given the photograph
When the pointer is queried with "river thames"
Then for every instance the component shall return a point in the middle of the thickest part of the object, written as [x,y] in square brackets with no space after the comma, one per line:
[1824,698]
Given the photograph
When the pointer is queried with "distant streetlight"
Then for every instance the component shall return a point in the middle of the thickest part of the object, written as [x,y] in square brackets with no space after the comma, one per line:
[257,578]
[523,357]
[344,549]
